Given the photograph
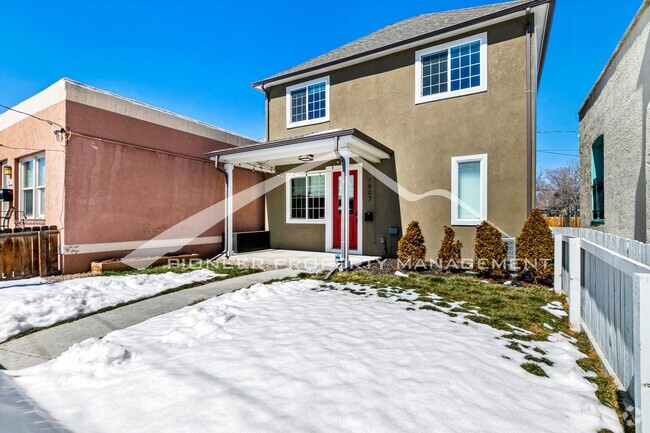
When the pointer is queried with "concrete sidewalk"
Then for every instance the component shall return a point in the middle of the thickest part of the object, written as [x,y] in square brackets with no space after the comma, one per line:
[39,347]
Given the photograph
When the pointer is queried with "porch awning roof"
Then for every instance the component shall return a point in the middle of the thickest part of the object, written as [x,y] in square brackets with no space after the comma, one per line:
[317,146]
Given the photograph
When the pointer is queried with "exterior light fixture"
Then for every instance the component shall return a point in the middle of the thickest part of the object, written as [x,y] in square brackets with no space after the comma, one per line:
[306,158]
[7,170]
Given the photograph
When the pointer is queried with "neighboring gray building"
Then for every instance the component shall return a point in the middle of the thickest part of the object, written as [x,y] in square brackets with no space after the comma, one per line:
[614,129]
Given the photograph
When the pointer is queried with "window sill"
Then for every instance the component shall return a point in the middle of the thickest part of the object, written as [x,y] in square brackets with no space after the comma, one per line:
[466,223]
[449,95]
[597,222]
[305,221]
[308,122]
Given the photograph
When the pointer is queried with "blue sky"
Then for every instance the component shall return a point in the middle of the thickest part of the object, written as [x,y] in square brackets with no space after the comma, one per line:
[199,58]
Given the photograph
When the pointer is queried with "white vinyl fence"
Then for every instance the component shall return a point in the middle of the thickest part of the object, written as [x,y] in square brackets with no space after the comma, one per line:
[607,282]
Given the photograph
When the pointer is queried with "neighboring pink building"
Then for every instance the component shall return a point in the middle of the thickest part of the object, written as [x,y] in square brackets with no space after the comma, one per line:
[125,173]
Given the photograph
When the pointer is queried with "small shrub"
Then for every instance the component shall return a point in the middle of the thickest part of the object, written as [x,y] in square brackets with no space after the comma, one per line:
[535,247]
[491,253]
[449,251]
[411,248]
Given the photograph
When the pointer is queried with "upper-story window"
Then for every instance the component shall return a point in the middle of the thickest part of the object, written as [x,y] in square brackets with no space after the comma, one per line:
[453,69]
[308,103]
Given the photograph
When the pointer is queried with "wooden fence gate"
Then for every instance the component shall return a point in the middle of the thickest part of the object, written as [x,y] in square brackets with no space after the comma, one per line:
[30,252]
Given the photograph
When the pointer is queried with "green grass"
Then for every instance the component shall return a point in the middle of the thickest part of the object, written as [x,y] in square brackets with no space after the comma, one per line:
[533,368]
[230,271]
[183,268]
[500,306]
[503,305]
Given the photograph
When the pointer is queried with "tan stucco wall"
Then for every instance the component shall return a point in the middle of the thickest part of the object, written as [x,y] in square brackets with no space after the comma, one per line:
[377,97]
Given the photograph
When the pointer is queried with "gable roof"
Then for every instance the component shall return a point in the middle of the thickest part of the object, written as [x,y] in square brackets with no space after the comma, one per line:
[408,31]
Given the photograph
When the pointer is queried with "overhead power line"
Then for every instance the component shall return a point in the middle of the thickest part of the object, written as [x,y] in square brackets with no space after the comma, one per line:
[558,153]
[558,132]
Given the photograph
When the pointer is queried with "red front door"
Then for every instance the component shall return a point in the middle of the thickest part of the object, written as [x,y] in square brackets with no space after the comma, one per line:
[354,207]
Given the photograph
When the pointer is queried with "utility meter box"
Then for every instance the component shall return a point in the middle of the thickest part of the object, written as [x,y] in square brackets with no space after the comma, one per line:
[6,195]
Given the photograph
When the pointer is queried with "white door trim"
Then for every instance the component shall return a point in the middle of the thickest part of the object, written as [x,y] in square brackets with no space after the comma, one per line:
[329,222]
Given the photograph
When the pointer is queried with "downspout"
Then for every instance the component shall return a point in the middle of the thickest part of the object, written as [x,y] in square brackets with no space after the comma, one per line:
[224,240]
[266,111]
[529,117]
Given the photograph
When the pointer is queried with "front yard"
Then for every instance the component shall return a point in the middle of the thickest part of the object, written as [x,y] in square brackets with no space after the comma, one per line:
[358,353]
[29,305]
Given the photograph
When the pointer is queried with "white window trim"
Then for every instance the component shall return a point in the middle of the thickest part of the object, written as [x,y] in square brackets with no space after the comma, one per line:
[420,99]
[291,220]
[6,184]
[36,205]
[482,158]
[304,85]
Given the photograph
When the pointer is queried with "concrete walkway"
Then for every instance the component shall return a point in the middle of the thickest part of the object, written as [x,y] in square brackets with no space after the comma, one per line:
[311,261]
[39,347]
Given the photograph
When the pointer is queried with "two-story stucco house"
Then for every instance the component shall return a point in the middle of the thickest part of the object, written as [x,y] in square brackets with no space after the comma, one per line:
[429,119]
[614,119]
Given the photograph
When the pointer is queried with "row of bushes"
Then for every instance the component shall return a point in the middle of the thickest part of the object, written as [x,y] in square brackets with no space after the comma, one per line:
[534,248]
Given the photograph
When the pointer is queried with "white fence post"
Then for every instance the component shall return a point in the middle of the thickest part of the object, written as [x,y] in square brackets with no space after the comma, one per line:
[642,352]
[574,288]
[557,264]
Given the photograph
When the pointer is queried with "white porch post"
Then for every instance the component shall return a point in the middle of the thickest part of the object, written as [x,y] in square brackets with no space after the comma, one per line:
[229,207]
[345,207]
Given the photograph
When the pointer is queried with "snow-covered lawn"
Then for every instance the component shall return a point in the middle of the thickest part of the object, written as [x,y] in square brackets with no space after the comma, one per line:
[33,303]
[305,357]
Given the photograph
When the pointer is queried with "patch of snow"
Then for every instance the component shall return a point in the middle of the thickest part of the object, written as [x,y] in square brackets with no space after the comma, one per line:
[555,308]
[520,331]
[27,304]
[547,326]
[401,274]
[507,283]
[299,356]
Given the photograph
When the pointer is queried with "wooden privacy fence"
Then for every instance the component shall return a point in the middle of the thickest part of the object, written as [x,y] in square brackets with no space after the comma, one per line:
[28,253]
[609,299]
[558,221]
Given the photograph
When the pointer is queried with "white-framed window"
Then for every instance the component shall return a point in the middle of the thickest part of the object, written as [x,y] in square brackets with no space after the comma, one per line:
[453,69]
[308,103]
[469,189]
[32,186]
[306,198]
[6,184]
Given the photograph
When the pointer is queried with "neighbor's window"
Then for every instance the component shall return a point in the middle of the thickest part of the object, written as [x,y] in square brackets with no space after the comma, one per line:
[5,185]
[469,189]
[306,198]
[597,181]
[308,103]
[32,186]
[453,69]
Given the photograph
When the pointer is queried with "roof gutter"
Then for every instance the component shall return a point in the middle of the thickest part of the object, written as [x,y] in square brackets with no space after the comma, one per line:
[428,35]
